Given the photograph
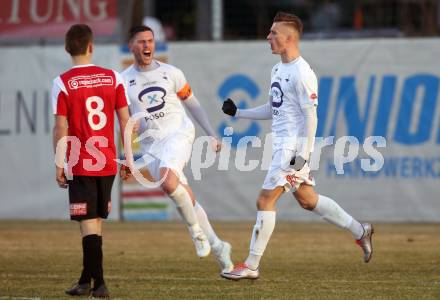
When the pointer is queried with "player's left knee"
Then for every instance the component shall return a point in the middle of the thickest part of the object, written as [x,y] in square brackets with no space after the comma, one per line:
[306,197]
[308,205]
[169,186]
[307,202]
[265,202]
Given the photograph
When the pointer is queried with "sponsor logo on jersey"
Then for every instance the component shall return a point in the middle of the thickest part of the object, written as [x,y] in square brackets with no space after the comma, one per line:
[89,81]
[150,83]
[152,98]
[132,82]
[78,209]
[277,94]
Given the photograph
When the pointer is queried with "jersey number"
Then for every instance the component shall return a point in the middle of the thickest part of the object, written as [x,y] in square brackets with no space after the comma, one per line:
[96,112]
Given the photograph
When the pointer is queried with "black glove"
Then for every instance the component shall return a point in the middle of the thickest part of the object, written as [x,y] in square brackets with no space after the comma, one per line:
[298,162]
[229,107]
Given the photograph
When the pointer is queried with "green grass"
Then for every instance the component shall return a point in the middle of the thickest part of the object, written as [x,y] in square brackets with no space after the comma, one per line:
[157,261]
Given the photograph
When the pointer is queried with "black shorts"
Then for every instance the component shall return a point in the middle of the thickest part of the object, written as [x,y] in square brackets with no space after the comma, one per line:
[90,197]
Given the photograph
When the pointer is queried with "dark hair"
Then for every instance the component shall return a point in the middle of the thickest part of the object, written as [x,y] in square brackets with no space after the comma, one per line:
[291,20]
[78,37]
[140,28]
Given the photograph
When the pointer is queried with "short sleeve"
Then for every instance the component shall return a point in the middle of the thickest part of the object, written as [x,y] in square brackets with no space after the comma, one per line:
[121,92]
[183,89]
[59,97]
[308,89]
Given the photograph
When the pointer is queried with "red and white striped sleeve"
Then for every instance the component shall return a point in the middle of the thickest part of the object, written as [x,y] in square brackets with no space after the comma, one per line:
[59,97]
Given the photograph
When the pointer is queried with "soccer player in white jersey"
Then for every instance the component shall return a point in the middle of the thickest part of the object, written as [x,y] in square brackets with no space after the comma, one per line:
[292,104]
[162,91]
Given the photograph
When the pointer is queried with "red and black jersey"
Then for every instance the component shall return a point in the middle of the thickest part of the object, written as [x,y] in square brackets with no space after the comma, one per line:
[88,96]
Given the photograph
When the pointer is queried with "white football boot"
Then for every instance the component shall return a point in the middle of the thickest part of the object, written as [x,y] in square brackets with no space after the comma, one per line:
[241,271]
[202,245]
[365,242]
[223,255]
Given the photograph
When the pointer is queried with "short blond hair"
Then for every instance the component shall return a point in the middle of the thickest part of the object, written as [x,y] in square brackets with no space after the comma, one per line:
[291,20]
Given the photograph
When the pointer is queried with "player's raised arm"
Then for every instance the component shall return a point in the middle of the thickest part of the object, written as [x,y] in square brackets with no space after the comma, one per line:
[184,93]
[199,114]
[262,112]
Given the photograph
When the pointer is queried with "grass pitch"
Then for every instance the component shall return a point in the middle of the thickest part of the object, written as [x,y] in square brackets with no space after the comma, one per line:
[157,261]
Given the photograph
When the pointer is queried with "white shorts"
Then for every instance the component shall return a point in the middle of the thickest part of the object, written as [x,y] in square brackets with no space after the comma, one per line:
[173,152]
[281,173]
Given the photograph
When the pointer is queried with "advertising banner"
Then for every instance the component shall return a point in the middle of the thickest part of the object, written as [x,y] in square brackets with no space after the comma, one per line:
[377,151]
[28,189]
[52,18]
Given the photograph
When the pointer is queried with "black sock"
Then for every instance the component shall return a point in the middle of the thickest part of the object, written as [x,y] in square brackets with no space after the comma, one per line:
[99,278]
[93,258]
[85,274]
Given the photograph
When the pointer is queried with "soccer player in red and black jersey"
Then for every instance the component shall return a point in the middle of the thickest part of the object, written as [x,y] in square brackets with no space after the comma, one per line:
[84,100]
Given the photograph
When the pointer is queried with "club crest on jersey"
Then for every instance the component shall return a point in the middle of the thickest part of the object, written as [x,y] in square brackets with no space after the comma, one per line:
[313,96]
[277,94]
[152,98]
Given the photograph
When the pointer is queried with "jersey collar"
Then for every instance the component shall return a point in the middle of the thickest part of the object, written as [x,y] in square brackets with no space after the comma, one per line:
[83,66]
[293,61]
[153,66]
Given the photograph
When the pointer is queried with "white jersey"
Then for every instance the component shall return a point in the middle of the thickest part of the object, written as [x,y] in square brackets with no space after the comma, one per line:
[293,86]
[159,93]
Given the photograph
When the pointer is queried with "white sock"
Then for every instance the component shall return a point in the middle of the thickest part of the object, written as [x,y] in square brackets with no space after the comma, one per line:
[263,229]
[185,208]
[356,229]
[214,241]
[330,211]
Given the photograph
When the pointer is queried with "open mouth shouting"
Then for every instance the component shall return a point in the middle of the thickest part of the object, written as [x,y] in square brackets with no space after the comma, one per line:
[146,53]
